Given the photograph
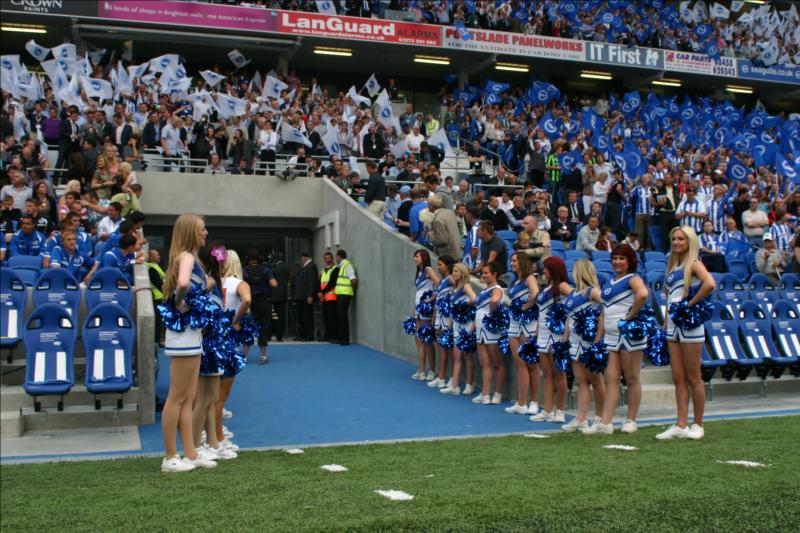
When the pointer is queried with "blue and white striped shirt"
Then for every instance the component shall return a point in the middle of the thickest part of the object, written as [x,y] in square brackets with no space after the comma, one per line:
[782,233]
[717,214]
[643,201]
[693,206]
[710,242]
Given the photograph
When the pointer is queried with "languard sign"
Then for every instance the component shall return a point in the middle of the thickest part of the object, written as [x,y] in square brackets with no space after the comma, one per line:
[359,29]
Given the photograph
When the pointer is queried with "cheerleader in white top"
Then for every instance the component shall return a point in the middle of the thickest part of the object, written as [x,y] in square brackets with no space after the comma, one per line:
[623,297]
[549,330]
[489,354]
[441,319]
[522,326]
[463,328]
[583,314]
[424,283]
[685,274]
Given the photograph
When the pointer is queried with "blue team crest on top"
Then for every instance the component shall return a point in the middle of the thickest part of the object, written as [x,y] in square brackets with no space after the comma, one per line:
[335,148]
[386,112]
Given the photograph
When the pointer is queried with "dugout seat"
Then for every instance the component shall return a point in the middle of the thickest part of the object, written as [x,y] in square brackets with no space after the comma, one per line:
[109,285]
[762,291]
[13,297]
[790,288]
[57,286]
[786,331]
[722,330]
[659,298]
[109,338]
[732,292]
[755,327]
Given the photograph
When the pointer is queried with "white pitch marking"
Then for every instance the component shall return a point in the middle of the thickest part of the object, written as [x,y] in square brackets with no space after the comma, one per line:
[294,451]
[748,464]
[536,436]
[397,495]
[620,447]
[334,468]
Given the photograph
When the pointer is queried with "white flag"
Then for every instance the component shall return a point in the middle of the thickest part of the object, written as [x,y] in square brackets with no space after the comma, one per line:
[165,62]
[211,77]
[325,7]
[37,51]
[718,11]
[64,51]
[72,93]
[136,71]
[230,106]
[441,142]
[400,150]
[176,86]
[699,11]
[385,112]
[331,141]
[257,82]
[273,87]
[686,13]
[10,62]
[96,56]
[59,78]
[121,80]
[293,135]
[96,88]
[358,99]
[372,85]
[353,164]
[238,59]
[737,5]
[770,54]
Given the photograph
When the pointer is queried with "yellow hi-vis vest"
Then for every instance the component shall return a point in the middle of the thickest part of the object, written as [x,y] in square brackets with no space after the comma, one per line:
[157,294]
[343,284]
[324,281]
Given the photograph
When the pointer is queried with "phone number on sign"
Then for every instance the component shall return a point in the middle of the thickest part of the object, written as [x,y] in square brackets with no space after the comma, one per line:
[724,70]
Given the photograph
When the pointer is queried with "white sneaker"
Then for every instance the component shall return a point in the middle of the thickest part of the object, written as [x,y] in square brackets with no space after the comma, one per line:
[226,414]
[469,390]
[597,419]
[598,429]
[228,443]
[202,460]
[455,391]
[533,408]
[673,432]
[450,382]
[575,425]
[695,432]
[227,433]
[431,375]
[223,452]
[497,398]
[629,426]
[203,438]
[207,452]
[176,464]
[542,416]
[482,399]
[418,376]
[434,383]
[559,417]
[517,409]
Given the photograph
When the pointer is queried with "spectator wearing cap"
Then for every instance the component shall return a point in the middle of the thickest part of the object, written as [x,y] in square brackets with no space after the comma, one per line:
[691,211]
[375,196]
[403,209]
[755,223]
[771,261]
[444,237]
[305,285]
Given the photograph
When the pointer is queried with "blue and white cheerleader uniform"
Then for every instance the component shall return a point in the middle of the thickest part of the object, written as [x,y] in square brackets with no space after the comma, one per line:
[423,284]
[210,362]
[675,285]
[460,297]
[189,341]
[575,302]
[482,310]
[443,291]
[618,299]
[520,291]
[545,338]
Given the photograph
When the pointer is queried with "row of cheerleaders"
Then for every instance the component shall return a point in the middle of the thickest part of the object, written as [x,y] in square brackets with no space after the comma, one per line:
[559,326]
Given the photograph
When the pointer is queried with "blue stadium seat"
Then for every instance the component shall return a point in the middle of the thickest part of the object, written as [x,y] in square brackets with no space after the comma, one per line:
[604,277]
[507,235]
[601,256]
[790,288]
[655,266]
[109,337]
[732,292]
[109,285]
[659,298]
[762,291]
[756,329]
[651,277]
[569,263]
[29,262]
[27,276]
[656,237]
[722,330]
[557,253]
[786,329]
[655,256]
[49,339]
[603,265]
[709,364]
[738,268]
[13,297]
[557,245]
[576,254]
[57,285]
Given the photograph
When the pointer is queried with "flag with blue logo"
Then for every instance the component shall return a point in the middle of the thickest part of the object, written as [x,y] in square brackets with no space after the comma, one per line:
[211,77]
[769,55]
[137,71]
[787,168]
[548,124]
[273,87]
[37,51]
[372,86]
[293,135]
[441,142]
[463,33]
[325,7]
[718,11]
[450,78]
[163,62]
[568,160]
[736,169]
[764,153]
[630,103]
[703,31]
[230,106]
[357,98]
[592,121]
[496,87]
[96,88]
[331,142]
[64,51]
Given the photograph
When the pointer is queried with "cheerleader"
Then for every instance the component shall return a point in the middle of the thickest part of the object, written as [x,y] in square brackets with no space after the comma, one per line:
[424,283]
[204,412]
[237,296]
[585,297]
[523,293]
[685,346]
[462,295]
[555,272]
[623,297]
[489,354]
[184,347]
[441,318]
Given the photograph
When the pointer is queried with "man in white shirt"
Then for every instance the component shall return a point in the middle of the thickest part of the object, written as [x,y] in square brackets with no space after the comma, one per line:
[755,223]
[414,140]
[171,142]
[109,223]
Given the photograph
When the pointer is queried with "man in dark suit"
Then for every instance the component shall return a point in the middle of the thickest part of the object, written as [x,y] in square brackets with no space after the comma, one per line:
[575,208]
[151,133]
[305,285]
[69,137]
[280,295]
[121,133]
[561,227]
[373,144]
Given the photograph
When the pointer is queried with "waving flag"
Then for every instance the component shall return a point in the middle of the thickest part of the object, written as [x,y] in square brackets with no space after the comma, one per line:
[164,62]
[64,51]
[736,170]
[548,125]
[230,106]
[441,142]
[121,80]
[630,103]
[385,112]
[136,71]
[718,11]
[400,150]
[357,98]
[568,160]
[95,88]
[372,86]
[273,87]
[211,77]
[238,59]
[764,153]
[325,7]
[331,142]
[463,33]
[787,168]
[293,135]
[37,51]
[495,87]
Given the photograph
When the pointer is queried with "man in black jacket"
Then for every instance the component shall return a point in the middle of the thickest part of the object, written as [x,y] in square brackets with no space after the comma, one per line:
[151,133]
[280,295]
[305,288]
[69,138]
[375,197]
[373,144]
[262,282]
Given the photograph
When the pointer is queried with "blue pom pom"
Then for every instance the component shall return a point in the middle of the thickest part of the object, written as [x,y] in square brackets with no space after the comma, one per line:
[172,318]
[444,306]
[426,333]
[234,364]
[445,339]
[410,325]
[497,321]
[657,351]
[248,333]
[595,357]
[640,327]
[467,342]
[203,310]
[523,317]
[425,305]
[463,313]
[556,317]
[586,321]
[529,352]
[686,317]
[561,358]
[502,343]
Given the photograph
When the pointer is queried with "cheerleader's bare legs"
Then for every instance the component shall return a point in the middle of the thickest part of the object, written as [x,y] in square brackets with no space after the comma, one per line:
[685,361]
[424,352]
[203,416]
[225,386]
[528,376]
[177,411]
[555,384]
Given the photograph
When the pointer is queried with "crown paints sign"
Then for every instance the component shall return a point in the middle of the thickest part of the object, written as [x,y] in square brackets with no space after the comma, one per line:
[358,29]
[85,8]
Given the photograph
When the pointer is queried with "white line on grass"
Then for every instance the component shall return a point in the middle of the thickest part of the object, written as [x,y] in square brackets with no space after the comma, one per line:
[748,464]
[334,468]
[294,451]
[620,447]
[397,495]
[536,436]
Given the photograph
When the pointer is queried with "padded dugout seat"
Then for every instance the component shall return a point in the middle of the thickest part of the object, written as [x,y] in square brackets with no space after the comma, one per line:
[755,327]
[109,285]
[109,338]
[722,331]
[57,286]
[13,297]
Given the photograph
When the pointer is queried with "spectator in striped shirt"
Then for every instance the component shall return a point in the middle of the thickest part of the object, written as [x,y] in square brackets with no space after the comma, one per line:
[691,210]
[782,231]
[731,232]
[710,250]
[643,198]
[718,209]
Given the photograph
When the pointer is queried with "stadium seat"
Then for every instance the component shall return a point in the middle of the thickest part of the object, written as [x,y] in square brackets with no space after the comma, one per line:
[13,297]
[654,276]
[49,339]
[655,256]
[659,298]
[557,245]
[762,291]
[656,237]
[507,235]
[57,286]
[756,329]
[600,255]
[722,330]
[604,277]
[27,276]
[709,365]
[557,253]
[732,292]
[603,265]
[738,268]
[569,263]
[109,337]
[109,285]
[786,329]
[655,266]
[790,288]
[29,262]
[576,254]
